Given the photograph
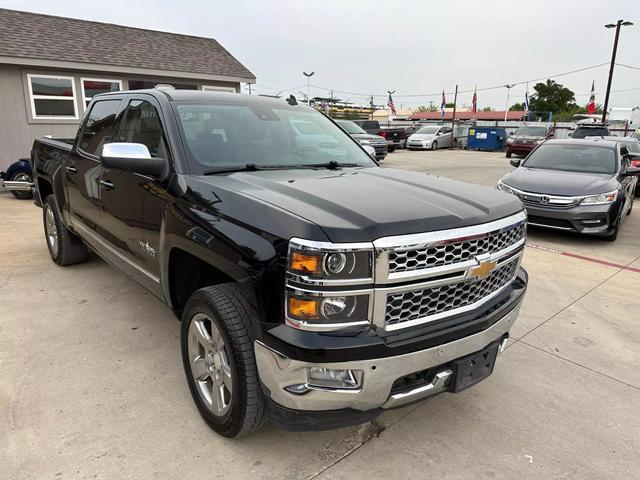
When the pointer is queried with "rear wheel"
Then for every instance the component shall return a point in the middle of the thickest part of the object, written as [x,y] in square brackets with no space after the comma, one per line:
[64,247]
[21,176]
[219,360]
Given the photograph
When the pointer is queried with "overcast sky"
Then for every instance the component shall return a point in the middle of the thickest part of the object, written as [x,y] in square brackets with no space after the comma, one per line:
[411,46]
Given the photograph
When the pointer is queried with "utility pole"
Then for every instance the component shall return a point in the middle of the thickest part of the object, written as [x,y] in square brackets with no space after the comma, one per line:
[249,89]
[617,26]
[372,106]
[506,110]
[453,118]
[308,75]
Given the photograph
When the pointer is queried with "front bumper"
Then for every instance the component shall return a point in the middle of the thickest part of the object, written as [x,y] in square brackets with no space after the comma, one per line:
[577,219]
[419,145]
[520,148]
[379,375]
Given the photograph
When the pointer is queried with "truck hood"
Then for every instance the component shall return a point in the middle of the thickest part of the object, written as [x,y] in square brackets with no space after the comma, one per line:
[363,204]
[367,136]
[555,182]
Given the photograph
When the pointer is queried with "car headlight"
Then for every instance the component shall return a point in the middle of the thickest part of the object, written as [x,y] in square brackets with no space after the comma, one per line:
[364,142]
[332,311]
[312,262]
[510,140]
[601,199]
[505,188]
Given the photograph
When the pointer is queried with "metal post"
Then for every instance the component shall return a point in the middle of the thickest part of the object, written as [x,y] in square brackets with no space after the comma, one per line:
[308,75]
[506,110]
[613,61]
[453,118]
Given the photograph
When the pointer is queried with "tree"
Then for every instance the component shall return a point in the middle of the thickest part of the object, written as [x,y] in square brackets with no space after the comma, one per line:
[552,97]
[487,109]
[425,108]
[448,105]
[517,107]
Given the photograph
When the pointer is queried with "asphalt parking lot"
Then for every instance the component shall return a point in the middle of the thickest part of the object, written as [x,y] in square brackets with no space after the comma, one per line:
[92,386]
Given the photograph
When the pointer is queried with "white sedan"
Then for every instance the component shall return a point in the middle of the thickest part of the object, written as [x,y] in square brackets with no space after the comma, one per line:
[430,138]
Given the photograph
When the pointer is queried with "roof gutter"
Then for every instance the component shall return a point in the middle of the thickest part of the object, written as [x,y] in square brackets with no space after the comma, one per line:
[65,65]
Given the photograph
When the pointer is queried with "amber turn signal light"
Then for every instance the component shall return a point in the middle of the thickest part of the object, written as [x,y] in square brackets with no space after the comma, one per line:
[303,309]
[303,263]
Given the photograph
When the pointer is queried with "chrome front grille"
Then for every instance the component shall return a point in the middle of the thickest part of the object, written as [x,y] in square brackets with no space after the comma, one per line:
[453,251]
[432,303]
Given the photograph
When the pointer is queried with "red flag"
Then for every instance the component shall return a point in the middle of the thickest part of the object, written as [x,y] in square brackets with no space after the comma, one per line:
[591,106]
[474,102]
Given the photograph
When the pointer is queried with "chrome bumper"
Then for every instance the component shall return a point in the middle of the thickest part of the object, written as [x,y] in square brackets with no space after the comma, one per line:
[277,372]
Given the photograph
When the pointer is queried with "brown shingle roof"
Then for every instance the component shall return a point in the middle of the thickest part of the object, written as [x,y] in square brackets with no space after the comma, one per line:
[32,35]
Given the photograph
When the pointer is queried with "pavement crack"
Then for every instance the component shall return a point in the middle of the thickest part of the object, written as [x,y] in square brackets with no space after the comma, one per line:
[569,305]
[582,366]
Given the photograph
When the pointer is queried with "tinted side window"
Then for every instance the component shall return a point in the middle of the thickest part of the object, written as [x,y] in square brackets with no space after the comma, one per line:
[142,125]
[98,128]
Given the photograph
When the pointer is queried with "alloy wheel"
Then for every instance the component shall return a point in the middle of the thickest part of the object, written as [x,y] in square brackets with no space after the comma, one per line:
[51,229]
[209,364]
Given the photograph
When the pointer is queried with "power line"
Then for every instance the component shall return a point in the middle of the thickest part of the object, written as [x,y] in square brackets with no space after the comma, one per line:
[437,94]
[627,66]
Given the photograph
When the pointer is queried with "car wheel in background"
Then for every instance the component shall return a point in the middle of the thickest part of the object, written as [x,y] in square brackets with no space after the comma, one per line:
[434,145]
[219,360]
[508,154]
[21,176]
[391,149]
[64,247]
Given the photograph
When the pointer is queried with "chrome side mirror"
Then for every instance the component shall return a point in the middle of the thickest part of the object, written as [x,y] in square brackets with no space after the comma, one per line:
[132,157]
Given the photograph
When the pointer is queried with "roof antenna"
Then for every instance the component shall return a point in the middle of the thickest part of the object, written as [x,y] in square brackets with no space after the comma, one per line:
[292,100]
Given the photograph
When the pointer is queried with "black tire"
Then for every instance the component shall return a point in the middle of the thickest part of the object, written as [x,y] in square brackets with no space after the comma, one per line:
[228,309]
[391,149]
[434,145]
[23,176]
[70,248]
[508,154]
[630,206]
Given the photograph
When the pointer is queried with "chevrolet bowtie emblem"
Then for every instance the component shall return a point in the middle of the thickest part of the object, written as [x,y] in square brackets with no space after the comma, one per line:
[482,270]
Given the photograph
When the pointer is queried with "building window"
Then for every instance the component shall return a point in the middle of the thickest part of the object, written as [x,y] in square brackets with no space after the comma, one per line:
[52,97]
[144,84]
[94,86]
[216,88]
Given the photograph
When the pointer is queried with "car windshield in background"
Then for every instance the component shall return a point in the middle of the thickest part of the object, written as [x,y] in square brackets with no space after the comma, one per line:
[573,158]
[590,132]
[224,136]
[428,130]
[532,131]
[350,127]
[632,145]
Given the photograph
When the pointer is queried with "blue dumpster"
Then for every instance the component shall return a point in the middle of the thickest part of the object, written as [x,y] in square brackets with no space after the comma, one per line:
[490,139]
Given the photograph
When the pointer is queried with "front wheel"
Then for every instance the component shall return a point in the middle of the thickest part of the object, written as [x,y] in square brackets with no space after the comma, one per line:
[21,176]
[508,154]
[219,360]
[434,145]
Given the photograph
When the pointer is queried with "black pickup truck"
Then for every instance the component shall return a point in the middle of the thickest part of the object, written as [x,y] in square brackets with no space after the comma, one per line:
[315,288]
[396,137]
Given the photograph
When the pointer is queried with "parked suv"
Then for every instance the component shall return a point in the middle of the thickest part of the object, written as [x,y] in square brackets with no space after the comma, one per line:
[526,138]
[315,288]
[378,143]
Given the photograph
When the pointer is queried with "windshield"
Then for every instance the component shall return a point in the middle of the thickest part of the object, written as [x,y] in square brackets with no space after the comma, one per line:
[591,132]
[428,130]
[532,132]
[632,145]
[573,158]
[227,135]
[350,127]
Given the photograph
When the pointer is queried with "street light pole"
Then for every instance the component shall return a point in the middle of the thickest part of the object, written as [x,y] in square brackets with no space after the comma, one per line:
[506,110]
[453,118]
[308,75]
[617,26]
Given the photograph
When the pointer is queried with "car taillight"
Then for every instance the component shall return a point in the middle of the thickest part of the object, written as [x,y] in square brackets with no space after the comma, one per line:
[635,163]
[383,134]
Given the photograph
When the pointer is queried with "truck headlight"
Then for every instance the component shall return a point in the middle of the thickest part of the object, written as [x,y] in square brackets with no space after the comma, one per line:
[601,199]
[311,262]
[510,140]
[309,311]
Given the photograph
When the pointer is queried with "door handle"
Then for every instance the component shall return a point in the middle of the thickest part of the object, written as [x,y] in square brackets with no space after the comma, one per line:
[71,169]
[108,184]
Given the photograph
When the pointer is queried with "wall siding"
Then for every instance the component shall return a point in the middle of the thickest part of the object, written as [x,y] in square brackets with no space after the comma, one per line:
[17,130]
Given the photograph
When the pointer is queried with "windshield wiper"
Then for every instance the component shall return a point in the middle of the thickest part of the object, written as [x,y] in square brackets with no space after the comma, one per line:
[251,167]
[332,165]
